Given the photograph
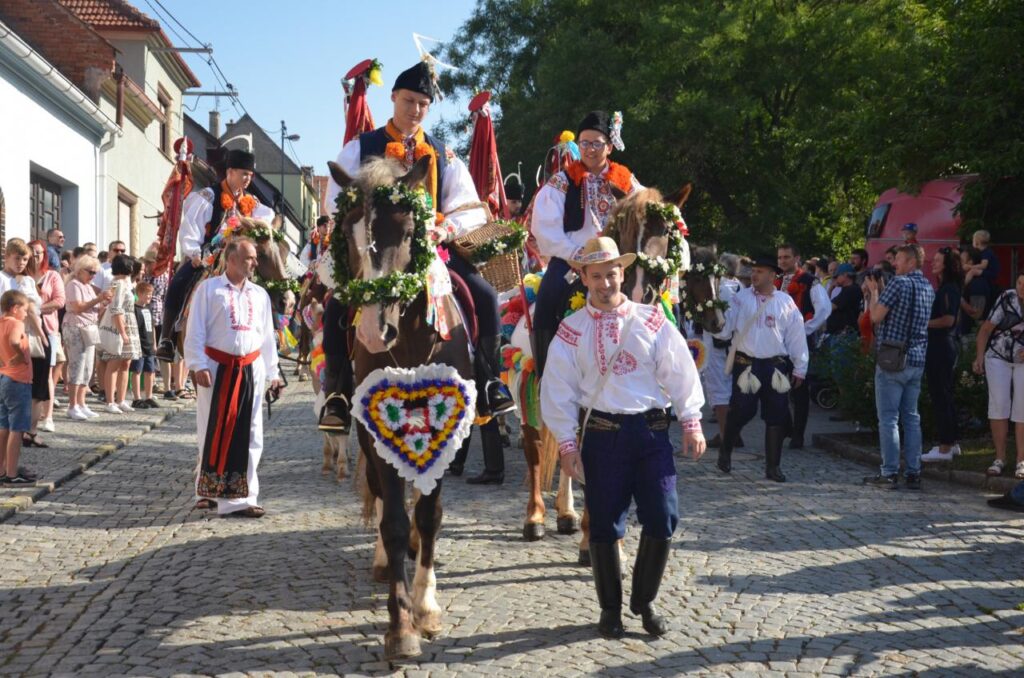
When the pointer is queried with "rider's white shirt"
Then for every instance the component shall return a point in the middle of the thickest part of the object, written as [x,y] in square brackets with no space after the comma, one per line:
[546,223]
[456,185]
[653,369]
[778,331]
[196,213]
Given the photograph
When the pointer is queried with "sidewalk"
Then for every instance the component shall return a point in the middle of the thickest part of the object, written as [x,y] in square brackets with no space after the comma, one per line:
[77,445]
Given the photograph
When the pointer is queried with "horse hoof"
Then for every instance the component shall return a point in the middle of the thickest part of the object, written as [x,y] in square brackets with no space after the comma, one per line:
[533,531]
[380,574]
[303,377]
[326,470]
[401,645]
[584,558]
[567,525]
[429,624]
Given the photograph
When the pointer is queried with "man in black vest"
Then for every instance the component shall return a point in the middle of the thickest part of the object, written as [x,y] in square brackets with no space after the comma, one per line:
[202,216]
[451,190]
[570,209]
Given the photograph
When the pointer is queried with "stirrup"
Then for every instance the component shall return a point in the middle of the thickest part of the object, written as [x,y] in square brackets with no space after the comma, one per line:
[343,426]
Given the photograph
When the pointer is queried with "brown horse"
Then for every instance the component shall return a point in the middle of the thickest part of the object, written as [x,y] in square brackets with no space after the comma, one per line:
[379,239]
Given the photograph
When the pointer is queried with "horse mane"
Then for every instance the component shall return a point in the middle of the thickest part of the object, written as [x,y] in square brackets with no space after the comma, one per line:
[378,172]
[629,216]
[704,255]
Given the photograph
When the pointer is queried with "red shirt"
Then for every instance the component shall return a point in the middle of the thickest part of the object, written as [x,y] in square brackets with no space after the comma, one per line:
[18,370]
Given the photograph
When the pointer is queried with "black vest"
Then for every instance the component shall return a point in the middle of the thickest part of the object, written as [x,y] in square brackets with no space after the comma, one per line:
[572,218]
[373,144]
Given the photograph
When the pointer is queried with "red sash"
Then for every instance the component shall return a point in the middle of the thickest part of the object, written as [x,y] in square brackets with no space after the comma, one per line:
[227,403]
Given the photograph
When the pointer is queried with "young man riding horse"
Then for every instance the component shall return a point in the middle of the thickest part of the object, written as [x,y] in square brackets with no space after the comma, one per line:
[203,214]
[572,208]
[453,196]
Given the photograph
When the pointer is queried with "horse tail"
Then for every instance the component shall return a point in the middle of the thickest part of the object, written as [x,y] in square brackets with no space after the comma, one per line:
[548,459]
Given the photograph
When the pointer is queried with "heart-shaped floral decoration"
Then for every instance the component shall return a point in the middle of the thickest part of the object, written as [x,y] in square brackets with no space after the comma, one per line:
[418,418]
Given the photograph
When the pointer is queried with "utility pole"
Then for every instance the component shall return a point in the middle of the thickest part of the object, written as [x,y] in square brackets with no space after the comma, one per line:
[289,137]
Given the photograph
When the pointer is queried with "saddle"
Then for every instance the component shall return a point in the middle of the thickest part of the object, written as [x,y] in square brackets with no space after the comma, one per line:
[460,290]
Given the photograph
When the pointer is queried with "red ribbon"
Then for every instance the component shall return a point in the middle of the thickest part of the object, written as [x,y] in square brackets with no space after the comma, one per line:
[228,398]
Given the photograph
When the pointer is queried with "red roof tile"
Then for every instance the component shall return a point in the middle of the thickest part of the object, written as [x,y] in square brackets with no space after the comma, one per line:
[110,14]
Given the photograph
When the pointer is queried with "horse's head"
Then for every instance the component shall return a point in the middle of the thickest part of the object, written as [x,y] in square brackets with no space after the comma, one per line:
[702,289]
[271,249]
[379,233]
[643,223]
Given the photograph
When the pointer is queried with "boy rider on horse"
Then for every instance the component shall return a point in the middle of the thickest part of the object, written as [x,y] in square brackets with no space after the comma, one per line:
[572,208]
[202,216]
[616,366]
[451,190]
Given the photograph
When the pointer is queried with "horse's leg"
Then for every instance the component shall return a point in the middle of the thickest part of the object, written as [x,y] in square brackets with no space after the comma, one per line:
[401,639]
[533,528]
[414,531]
[584,557]
[380,555]
[328,464]
[426,611]
[568,519]
[339,444]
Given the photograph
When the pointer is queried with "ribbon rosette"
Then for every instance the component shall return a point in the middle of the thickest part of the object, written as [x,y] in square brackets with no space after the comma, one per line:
[418,418]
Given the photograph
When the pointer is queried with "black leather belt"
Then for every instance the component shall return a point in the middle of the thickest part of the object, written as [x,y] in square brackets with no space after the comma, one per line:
[657,420]
[744,359]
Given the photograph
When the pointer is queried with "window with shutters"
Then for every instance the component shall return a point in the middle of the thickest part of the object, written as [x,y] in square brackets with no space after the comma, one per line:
[45,206]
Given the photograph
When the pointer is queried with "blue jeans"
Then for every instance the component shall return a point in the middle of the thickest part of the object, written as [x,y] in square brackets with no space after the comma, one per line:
[1018,492]
[896,395]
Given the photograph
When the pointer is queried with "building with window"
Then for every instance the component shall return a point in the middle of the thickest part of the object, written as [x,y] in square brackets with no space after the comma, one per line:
[54,131]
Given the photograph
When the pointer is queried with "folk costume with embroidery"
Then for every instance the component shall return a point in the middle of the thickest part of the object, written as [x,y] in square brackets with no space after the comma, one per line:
[570,209]
[231,333]
[628,364]
[767,332]
[202,219]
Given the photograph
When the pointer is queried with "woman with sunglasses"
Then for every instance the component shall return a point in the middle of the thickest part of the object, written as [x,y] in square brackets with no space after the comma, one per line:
[83,305]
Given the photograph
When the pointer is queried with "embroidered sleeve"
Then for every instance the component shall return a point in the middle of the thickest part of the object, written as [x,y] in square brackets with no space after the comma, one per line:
[567,447]
[560,391]
[677,374]
[691,425]
[568,334]
[558,182]
[655,318]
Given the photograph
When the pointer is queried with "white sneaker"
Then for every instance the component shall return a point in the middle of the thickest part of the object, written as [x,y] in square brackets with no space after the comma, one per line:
[935,454]
[955,449]
[84,409]
[125,407]
[113,409]
[47,425]
[77,414]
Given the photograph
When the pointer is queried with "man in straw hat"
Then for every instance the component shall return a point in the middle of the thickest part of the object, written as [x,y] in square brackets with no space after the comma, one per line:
[769,357]
[622,364]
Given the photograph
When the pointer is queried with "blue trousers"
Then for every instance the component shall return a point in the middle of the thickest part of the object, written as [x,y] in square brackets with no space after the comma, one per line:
[896,396]
[551,296]
[178,290]
[774,405]
[631,464]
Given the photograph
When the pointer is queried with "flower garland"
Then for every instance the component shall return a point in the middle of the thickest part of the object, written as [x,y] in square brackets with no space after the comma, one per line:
[672,262]
[618,175]
[691,307]
[506,243]
[272,286]
[246,204]
[399,286]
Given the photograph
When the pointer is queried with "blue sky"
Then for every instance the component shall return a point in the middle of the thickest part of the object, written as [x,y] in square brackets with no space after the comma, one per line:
[286,59]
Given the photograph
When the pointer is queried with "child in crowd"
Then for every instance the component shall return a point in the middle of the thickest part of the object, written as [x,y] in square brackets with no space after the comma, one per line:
[144,368]
[15,386]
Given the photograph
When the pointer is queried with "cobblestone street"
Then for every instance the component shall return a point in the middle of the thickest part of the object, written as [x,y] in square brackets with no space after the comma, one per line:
[113,573]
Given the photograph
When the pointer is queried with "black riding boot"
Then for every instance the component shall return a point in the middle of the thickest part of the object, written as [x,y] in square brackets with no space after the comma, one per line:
[604,560]
[773,437]
[651,558]
[492,395]
[728,442]
[801,398]
[494,456]
[335,415]
[458,464]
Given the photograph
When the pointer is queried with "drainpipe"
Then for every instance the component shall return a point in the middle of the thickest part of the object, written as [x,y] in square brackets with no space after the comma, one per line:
[101,185]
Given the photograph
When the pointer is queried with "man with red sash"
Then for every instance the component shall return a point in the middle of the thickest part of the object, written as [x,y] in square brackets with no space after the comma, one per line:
[231,347]
[203,214]
[570,209]
[812,301]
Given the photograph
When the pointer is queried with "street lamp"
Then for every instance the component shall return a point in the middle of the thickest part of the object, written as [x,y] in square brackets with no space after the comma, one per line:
[289,137]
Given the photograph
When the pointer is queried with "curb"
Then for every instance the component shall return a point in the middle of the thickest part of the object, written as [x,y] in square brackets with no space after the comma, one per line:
[833,444]
[10,505]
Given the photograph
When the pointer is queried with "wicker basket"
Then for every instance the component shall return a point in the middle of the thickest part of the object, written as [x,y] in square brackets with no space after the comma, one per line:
[502,271]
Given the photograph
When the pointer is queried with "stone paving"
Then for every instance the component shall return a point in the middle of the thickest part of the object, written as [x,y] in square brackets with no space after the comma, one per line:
[113,574]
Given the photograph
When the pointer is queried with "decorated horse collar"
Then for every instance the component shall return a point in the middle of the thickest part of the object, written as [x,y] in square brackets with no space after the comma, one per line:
[672,262]
[396,287]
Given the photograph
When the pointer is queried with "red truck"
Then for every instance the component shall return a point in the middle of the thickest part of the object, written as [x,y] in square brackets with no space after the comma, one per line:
[933,210]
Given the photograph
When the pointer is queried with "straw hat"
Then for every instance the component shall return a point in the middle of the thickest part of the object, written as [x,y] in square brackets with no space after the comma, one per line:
[601,251]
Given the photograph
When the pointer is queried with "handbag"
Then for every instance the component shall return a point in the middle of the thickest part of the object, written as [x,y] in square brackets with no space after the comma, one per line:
[891,355]
[35,346]
[110,339]
[90,335]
